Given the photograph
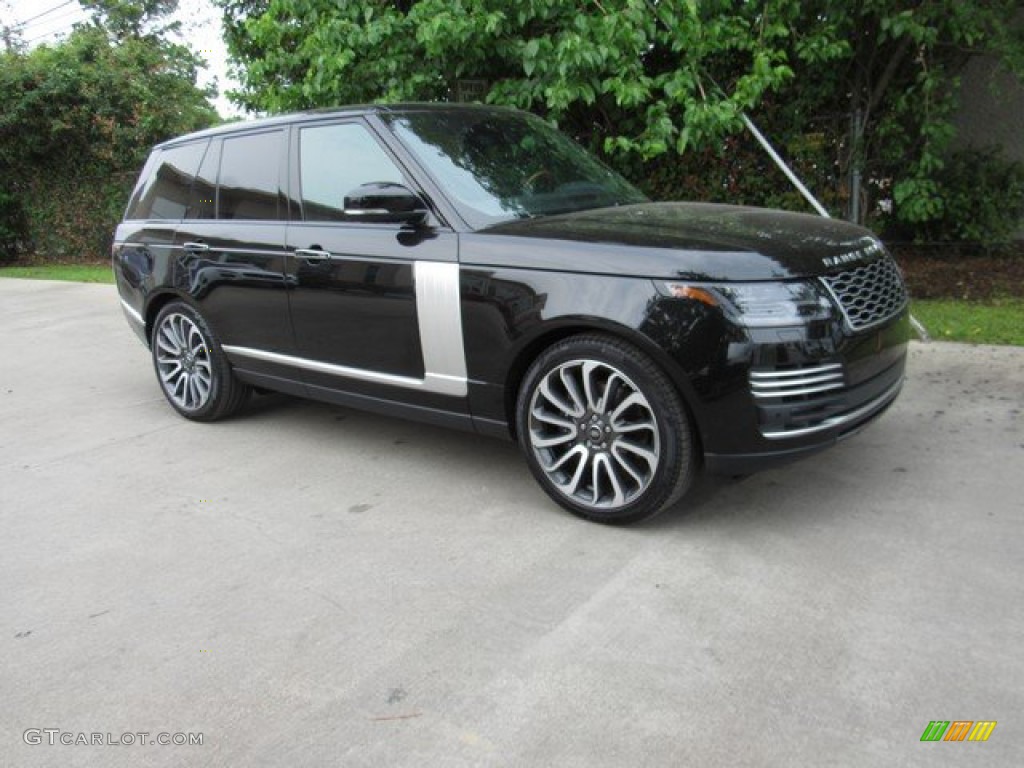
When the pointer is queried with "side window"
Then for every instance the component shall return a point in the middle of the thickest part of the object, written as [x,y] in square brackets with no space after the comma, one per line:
[333,161]
[202,201]
[248,186]
[165,193]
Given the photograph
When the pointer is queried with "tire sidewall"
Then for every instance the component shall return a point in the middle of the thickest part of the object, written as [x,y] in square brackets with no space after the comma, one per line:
[219,371]
[673,425]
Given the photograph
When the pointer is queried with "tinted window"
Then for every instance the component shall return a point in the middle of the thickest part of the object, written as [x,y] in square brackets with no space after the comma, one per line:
[165,192]
[333,161]
[204,189]
[248,184]
[501,165]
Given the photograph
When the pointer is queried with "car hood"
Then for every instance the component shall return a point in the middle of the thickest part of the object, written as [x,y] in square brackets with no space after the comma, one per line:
[699,241]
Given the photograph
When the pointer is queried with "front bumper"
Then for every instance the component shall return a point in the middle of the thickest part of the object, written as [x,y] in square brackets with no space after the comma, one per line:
[833,428]
[804,396]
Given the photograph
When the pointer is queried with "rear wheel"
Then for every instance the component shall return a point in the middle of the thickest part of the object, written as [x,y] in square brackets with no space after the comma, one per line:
[604,431]
[191,368]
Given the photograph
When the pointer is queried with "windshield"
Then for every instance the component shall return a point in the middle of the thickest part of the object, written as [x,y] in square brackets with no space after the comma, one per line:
[498,165]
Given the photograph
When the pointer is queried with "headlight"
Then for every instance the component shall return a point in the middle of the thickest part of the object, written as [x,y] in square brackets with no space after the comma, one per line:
[760,305]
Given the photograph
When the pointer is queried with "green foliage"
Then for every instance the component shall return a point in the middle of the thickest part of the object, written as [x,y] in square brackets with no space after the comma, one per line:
[982,199]
[74,217]
[649,81]
[132,19]
[740,173]
[78,118]
[610,71]
[87,103]
[13,227]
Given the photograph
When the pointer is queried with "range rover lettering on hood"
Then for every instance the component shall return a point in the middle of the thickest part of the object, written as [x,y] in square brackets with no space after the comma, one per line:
[873,250]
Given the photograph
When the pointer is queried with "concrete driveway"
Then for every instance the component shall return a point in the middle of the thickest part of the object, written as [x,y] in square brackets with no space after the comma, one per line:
[312,586]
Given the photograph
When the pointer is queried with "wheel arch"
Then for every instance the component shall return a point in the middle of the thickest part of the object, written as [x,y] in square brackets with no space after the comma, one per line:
[155,303]
[567,327]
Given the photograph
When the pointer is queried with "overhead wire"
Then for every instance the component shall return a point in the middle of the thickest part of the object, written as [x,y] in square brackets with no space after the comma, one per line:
[26,22]
[61,28]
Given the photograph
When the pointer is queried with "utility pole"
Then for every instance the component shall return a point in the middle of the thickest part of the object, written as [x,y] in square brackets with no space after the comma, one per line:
[10,34]
[856,137]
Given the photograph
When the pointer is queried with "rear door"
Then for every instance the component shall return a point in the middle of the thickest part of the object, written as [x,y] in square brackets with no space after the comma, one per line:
[144,251]
[230,247]
[374,307]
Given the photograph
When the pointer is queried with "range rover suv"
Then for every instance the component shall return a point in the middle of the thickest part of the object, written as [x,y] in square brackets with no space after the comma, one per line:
[470,266]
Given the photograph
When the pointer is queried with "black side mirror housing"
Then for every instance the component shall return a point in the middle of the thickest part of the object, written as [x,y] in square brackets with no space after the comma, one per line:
[382,202]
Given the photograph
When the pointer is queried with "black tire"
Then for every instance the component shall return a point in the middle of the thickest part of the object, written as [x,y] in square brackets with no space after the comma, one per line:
[591,413]
[191,368]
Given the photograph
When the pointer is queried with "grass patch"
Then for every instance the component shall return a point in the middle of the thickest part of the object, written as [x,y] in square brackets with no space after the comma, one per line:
[78,273]
[999,321]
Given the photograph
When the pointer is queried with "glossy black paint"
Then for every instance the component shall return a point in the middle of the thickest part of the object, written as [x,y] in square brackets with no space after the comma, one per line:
[522,285]
[358,307]
[508,313]
[692,241]
[237,277]
[385,203]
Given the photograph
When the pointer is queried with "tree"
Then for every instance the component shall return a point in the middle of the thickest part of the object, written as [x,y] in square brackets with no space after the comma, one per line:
[611,63]
[138,19]
[648,79]
[86,102]
[10,34]
[75,114]
[894,76]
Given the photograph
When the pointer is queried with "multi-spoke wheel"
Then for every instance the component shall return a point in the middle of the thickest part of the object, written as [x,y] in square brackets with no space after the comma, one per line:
[604,431]
[190,366]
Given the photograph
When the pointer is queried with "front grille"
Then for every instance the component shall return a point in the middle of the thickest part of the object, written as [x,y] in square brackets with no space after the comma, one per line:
[780,386]
[869,294]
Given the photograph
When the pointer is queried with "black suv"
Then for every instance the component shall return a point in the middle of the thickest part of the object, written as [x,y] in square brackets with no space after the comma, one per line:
[472,267]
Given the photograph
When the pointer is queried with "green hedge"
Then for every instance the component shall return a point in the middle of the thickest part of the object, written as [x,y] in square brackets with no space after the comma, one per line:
[72,219]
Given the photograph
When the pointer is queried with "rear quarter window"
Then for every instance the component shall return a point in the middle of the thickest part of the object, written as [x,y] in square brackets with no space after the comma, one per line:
[166,182]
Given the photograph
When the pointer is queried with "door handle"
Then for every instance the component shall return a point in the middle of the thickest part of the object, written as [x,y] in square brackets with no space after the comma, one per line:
[312,254]
[195,247]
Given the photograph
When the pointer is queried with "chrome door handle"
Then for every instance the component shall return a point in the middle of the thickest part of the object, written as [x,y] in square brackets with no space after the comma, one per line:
[195,247]
[312,254]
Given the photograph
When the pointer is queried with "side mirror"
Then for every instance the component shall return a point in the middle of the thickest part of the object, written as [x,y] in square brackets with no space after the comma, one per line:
[382,202]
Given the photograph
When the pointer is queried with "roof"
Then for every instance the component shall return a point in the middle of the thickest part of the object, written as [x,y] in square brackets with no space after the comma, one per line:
[326,112]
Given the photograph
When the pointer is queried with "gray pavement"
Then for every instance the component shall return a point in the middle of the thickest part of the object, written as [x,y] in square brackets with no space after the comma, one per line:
[312,586]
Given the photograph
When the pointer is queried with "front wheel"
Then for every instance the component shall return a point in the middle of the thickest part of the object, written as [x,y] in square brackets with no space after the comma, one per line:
[193,372]
[604,431]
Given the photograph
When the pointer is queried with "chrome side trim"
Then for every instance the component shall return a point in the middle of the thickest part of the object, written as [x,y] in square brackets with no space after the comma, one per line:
[815,379]
[809,380]
[329,368]
[218,249]
[845,418]
[439,314]
[818,369]
[808,390]
[132,313]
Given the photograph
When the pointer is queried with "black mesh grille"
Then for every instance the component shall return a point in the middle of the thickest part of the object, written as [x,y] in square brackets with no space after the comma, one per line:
[868,294]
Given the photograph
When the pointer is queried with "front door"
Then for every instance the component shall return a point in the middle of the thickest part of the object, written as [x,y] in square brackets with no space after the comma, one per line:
[374,307]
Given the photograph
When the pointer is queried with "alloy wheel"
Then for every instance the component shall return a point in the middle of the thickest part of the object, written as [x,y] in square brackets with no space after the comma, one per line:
[183,362]
[594,434]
